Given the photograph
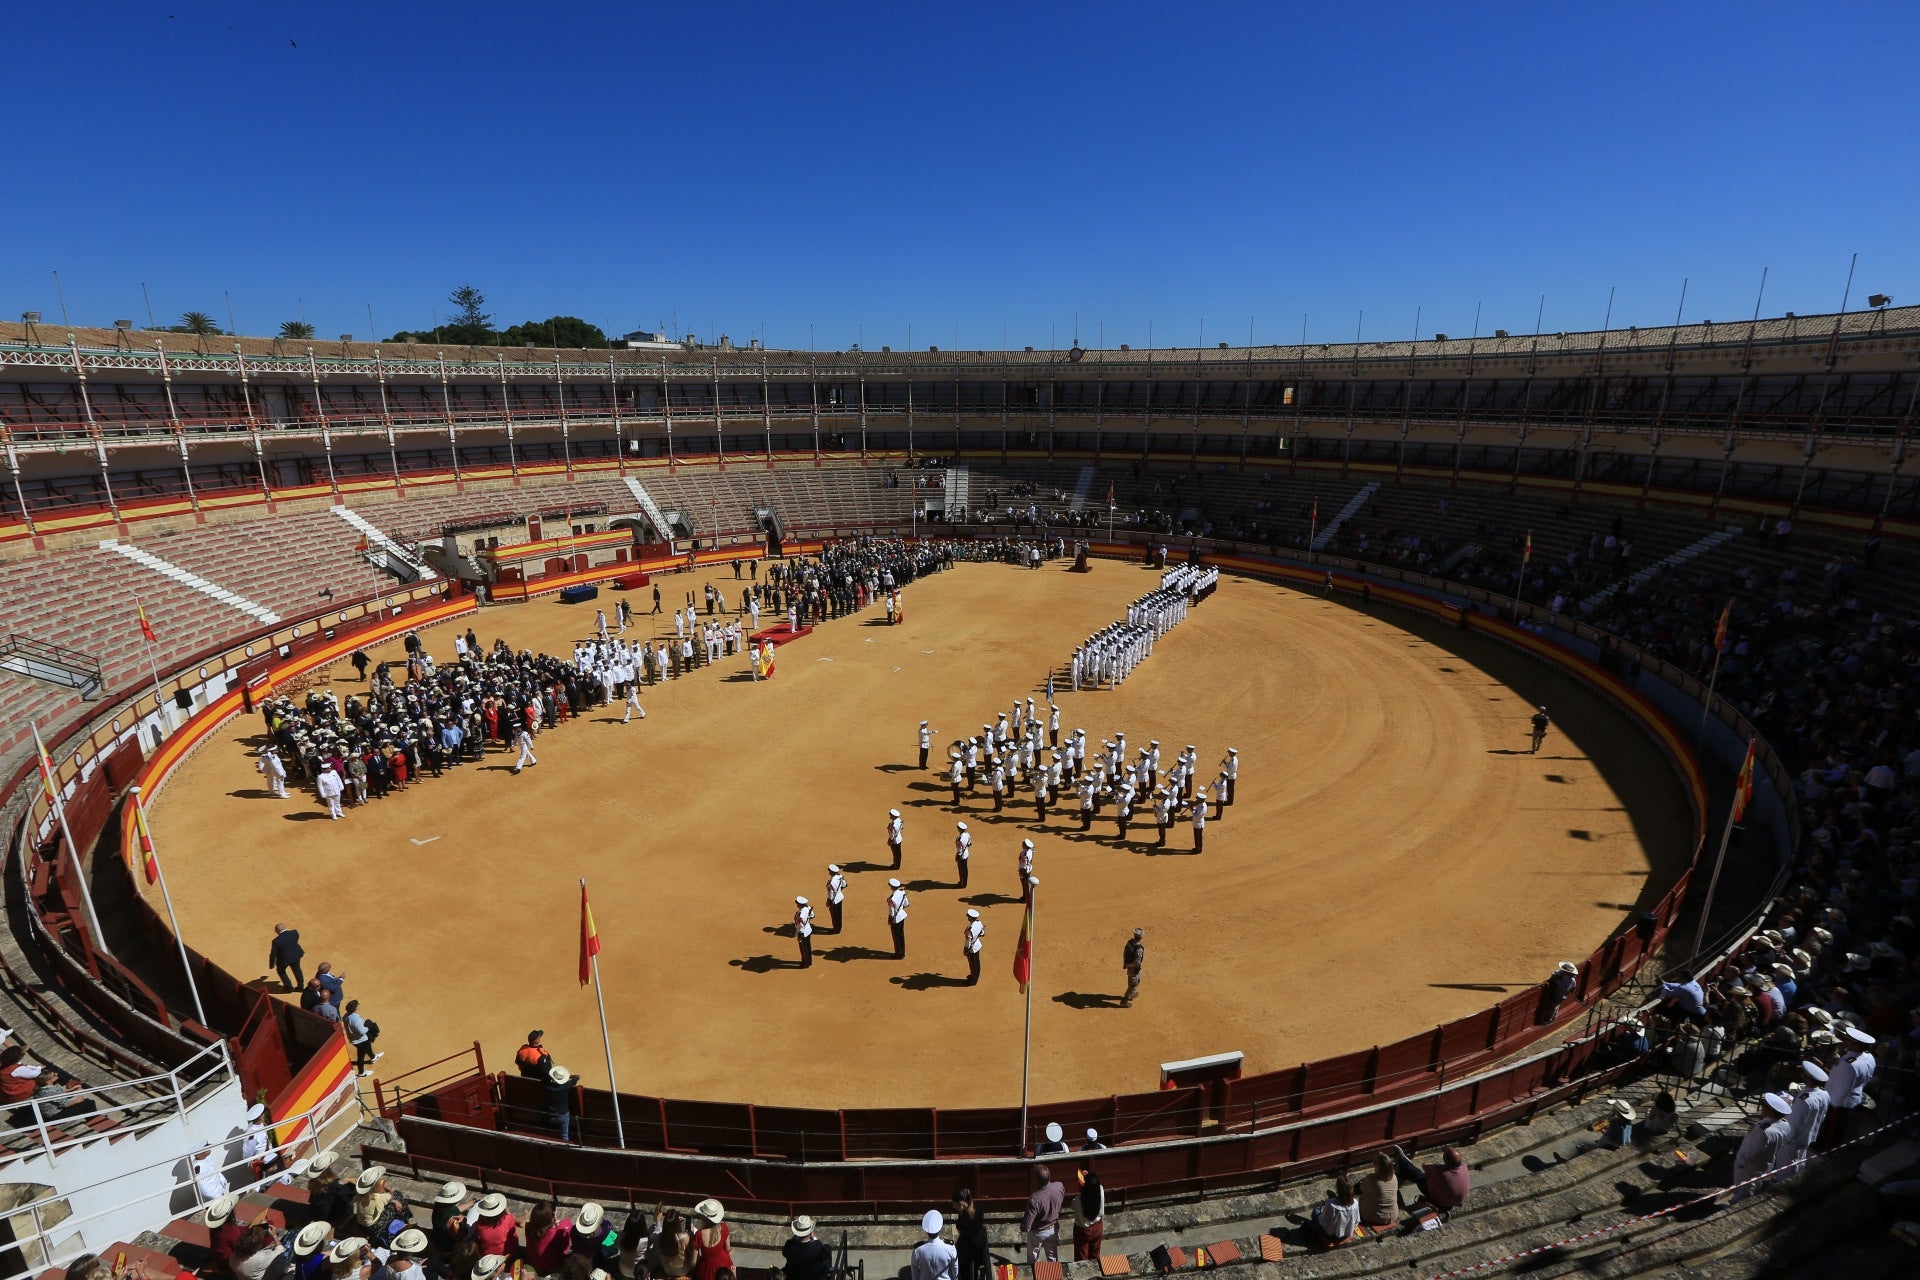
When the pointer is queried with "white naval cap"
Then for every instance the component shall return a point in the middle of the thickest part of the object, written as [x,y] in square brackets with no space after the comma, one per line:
[834,867]
[923,724]
[961,825]
[893,813]
[800,902]
[972,914]
[893,884]
[1027,843]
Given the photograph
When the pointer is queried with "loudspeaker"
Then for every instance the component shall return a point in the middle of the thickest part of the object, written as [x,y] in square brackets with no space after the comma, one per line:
[1643,927]
[182,699]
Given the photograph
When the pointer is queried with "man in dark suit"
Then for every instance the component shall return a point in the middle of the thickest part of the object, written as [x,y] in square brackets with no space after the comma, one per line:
[286,953]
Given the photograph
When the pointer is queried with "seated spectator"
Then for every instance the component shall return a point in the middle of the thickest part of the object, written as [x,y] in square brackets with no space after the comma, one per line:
[1444,1185]
[1661,1117]
[497,1230]
[806,1257]
[1684,999]
[375,1208]
[258,1254]
[1337,1219]
[223,1233]
[547,1234]
[1621,1116]
[18,1077]
[448,1222]
[310,1250]
[1380,1193]
[58,1095]
[329,1199]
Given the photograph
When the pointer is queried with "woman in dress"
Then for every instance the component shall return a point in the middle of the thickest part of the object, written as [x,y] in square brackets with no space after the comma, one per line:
[712,1253]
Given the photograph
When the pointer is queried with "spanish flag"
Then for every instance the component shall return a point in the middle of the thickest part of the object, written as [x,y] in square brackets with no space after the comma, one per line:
[1720,629]
[148,862]
[1526,556]
[589,939]
[1023,953]
[1743,785]
[47,783]
[361,546]
[146,628]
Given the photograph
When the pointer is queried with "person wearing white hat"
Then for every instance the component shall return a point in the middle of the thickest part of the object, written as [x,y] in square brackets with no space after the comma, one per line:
[896,836]
[897,918]
[208,1176]
[524,740]
[351,1249]
[1055,1143]
[404,1256]
[805,1256]
[1199,820]
[962,852]
[1559,985]
[934,1259]
[1093,1142]
[956,774]
[1620,1118]
[970,944]
[926,744]
[803,930]
[447,1221]
[1025,871]
[310,1241]
[836,894]
[1847,1083]
[1760,1149]
[1810,1103]
[1230,769]
[491,1267]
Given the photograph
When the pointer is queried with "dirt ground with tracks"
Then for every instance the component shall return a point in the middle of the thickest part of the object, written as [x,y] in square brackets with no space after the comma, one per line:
[1395,858]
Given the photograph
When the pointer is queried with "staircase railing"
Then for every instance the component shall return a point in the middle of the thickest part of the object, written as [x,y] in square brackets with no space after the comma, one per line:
[56,664]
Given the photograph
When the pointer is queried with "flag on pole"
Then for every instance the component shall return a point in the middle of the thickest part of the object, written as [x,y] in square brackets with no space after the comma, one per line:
[1720,629]
[361,545]
[1314,518]
[1743,785]
[148,862]
[47,783]
[1109,495]
[589,939]
[1526,556]
[1023,953]
[146,628]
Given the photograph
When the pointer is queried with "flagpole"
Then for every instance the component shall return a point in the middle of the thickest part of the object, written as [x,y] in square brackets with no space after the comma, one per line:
[160,876]
[1706,707]
[1713,882]
[1026,1055]
[60,812]
[159,700]
[1520,580]
[613,1086]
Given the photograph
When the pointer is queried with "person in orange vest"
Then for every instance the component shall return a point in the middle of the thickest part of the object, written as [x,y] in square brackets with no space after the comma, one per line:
[533,1061]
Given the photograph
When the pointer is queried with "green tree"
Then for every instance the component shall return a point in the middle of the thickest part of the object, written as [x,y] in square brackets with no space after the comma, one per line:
[469,309]
[197,322]
[555,331]
[296,329]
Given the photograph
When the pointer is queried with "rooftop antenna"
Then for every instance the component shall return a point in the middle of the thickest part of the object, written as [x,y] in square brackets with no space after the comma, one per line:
[151,323]
[62,295]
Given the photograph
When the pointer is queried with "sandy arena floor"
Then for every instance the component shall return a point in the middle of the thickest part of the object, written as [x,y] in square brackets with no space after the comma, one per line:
[1394,860]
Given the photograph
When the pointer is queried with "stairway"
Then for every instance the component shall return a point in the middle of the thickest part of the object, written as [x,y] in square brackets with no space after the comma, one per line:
[1080,491]
[661,525]
[146,559]
[1345,513]
[957,496]
[1659,567]
[383,552]
[1465,551]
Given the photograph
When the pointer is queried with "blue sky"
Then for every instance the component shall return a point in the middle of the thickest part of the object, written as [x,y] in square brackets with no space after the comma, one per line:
[969,170]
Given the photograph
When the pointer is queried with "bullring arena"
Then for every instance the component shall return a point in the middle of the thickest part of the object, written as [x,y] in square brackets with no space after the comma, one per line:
[1390,826]
[1371,923]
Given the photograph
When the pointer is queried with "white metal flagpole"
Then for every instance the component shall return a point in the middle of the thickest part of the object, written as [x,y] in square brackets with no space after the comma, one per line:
[1026,1055]
[60,812]
[599,997]
[159,699]
[160,878]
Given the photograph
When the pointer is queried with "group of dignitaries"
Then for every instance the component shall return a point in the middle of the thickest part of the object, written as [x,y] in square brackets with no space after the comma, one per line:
[1111,653]
[442,716]
[1024,746]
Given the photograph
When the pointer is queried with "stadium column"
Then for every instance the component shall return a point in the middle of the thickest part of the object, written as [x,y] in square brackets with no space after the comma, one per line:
[863,406]
[813,394]
[719,421]
[766,404]
[320,411]
[506,411]
[446,404]
[619,444]
[19,493]
[93,430]
[566,439]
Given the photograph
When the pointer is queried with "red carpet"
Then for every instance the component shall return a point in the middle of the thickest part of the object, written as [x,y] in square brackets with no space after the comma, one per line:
[779,635]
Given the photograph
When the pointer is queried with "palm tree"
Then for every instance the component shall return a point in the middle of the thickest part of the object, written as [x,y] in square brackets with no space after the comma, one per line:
[198,322]
[296,329]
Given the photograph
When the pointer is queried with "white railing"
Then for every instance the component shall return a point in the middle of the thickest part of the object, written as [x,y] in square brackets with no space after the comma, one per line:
[37,1246]
[166,1099]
